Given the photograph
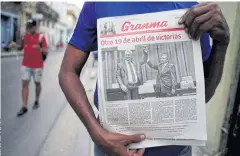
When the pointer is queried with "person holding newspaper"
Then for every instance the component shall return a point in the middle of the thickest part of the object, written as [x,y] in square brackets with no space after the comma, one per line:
[200,21]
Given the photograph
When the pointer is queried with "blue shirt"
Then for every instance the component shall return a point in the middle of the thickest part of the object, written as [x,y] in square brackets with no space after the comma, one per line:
[84,38]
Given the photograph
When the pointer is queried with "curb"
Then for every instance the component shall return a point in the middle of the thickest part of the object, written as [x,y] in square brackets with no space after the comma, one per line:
[12,55]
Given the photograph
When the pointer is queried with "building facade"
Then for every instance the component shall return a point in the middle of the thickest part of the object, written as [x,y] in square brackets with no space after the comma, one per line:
[48,23]
[67,19]
[61,26]
[73,11]
[56,20]
[27,10]
[10,22]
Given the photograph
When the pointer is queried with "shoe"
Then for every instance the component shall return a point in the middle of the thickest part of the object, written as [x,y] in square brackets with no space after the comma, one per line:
[22,111]
[36,105]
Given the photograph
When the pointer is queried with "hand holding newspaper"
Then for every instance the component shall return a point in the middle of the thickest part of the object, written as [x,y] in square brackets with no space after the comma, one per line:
[151,79]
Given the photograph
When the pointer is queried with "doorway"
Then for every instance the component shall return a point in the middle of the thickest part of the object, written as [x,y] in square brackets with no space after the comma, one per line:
[5,30]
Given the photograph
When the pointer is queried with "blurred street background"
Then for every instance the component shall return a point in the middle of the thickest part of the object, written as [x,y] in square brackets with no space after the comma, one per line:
[54,129]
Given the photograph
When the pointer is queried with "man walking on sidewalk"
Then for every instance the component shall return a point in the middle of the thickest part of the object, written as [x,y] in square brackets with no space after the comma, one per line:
[35,48]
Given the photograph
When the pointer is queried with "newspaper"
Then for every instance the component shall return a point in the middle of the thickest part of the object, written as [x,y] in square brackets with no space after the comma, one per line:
[151,79]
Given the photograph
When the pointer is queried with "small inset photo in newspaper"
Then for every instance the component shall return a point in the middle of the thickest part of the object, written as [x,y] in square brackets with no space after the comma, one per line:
[149,71]
[107,28]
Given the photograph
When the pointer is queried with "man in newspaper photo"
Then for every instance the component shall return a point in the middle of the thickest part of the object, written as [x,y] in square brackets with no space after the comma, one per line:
[128,77]
[201,21]
[166,77]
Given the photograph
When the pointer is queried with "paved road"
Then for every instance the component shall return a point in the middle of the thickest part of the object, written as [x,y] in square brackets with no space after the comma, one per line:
[26,136]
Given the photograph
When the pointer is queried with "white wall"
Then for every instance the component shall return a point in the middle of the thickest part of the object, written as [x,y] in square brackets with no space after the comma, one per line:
[53,33]
[64,22]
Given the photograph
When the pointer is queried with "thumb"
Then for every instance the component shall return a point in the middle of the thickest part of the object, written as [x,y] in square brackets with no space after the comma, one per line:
[134,138]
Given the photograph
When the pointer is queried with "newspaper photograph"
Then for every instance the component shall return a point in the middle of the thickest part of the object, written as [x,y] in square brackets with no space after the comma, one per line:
[151,79]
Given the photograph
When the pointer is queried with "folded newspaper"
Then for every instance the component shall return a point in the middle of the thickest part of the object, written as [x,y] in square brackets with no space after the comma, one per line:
[151,79]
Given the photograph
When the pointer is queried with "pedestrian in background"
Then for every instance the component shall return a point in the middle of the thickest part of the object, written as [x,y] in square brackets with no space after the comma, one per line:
[35,51]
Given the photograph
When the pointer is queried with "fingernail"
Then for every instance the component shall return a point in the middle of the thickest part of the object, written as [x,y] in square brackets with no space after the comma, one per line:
[142,137]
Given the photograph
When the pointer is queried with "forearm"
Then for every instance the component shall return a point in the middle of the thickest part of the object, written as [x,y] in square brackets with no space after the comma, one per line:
[215,68]
[118,77]
[144,60]
[151,65]
[174,84]
[45,50]
[19,47]
[76,96]
[174,77]
[119,81]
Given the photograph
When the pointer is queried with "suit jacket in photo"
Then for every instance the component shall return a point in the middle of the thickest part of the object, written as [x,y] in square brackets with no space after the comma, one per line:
[166,77]
[122,75]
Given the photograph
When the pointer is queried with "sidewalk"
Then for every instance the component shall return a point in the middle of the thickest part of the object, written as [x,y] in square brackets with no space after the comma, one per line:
[69,136]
